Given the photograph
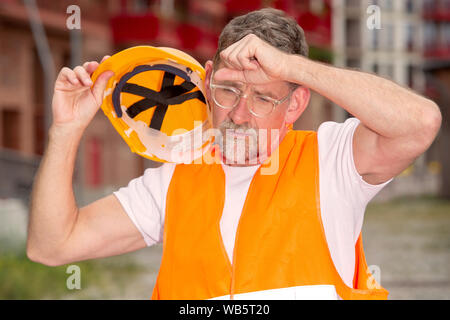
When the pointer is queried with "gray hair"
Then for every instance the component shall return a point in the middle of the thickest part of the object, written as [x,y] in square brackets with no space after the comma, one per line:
[270,25]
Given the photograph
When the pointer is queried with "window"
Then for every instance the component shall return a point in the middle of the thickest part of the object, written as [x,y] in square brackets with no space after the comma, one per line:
[94,149]
[375,68]
[389,71]
[352,3]
[10,129]
[410,37]
[353,63]
[167,7]
[141,6]
[389,34]
[374,36]
[411,72]
[409,6]
[388,4]
[353,33]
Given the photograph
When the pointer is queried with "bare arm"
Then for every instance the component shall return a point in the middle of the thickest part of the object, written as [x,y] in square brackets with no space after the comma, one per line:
[58,231]
[397,125]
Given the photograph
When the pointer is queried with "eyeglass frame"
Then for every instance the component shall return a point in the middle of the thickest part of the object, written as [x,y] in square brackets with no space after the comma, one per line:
[241,95]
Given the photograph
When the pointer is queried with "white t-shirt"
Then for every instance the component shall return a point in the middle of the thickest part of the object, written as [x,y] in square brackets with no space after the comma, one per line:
[343,197]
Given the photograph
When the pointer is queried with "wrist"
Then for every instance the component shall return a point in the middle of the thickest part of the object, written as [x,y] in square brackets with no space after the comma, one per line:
[297,69]
[65,132]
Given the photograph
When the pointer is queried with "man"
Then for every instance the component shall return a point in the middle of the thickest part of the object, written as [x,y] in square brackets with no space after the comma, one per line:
[228,230]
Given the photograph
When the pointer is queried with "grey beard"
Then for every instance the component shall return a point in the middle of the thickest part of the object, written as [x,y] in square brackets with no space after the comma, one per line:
[241,150]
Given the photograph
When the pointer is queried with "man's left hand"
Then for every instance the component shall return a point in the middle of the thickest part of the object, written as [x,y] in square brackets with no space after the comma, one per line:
[252,60]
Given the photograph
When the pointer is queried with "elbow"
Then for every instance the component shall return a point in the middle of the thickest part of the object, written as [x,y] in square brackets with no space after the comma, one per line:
[38,257]
[432,122]
[428,124]
[435,121]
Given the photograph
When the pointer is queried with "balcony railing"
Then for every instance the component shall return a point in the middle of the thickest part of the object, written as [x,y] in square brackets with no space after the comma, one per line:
[436,13]
[437,52]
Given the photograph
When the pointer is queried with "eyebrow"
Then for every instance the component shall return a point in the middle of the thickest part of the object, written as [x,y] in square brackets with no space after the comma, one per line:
[231,84]
[265,93]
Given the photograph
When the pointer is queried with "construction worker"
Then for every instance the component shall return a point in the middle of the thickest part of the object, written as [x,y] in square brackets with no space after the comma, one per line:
[229,231]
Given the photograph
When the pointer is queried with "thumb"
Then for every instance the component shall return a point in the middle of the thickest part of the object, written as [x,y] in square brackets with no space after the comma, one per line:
[229,74]
[99,86]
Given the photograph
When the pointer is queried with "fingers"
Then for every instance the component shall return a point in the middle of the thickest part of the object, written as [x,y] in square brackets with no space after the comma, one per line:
[241,55]
[68,75]
[80,75]
[84,72]
[102,79]
[229,74]
[104,58]
[90,67]
[83,76]
[80,78]
[230,56]
[100,85]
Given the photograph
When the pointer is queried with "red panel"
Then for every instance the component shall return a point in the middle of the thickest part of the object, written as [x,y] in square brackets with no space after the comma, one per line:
[212,38]
[127,27]
[94,160]
[317,26]
[285,5]
[234,6]
[438,52]
[437,15]
[190,36]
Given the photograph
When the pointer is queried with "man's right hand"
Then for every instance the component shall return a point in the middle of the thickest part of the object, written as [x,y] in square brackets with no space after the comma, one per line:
[75,100]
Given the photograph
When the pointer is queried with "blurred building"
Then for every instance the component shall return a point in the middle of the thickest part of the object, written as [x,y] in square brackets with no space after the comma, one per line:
[22,95]
[392,49]
[436,19]
[412,38]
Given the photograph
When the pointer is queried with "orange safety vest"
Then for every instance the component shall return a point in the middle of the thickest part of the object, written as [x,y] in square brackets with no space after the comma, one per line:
[280,240]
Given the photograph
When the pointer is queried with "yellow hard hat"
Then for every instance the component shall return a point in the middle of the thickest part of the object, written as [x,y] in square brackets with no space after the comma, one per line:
[156,100]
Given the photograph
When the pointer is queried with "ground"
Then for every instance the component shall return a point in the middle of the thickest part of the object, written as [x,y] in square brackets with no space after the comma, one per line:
[409,239]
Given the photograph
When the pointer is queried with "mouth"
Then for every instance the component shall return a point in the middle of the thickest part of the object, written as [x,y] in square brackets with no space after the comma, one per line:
[239,134]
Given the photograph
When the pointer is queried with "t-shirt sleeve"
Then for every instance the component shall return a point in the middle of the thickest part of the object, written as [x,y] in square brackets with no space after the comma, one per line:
[144,201]
[336,156]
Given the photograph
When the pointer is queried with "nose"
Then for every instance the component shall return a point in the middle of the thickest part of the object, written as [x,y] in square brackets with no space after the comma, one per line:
[240,114]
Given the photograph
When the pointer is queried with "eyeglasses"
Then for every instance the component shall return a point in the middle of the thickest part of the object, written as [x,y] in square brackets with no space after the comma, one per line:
[228,97]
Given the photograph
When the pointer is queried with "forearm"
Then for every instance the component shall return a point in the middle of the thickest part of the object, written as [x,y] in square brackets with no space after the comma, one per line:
[53,209]
[383,106]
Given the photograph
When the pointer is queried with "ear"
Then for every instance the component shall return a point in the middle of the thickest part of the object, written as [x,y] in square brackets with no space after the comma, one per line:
[299,101]
[208,71]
